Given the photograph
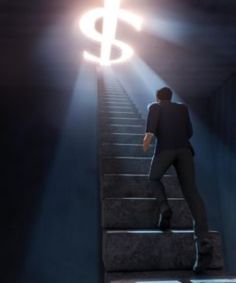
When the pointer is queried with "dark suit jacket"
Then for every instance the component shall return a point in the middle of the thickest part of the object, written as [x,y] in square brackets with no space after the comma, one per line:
[170,123]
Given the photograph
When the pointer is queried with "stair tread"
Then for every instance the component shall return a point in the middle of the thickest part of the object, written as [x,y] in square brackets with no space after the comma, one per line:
[136,185]
[143,213]
[155,231]
[129,164]
[168,277]
[137,250]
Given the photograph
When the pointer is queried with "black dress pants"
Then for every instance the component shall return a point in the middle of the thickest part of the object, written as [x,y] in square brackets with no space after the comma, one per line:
[182,160]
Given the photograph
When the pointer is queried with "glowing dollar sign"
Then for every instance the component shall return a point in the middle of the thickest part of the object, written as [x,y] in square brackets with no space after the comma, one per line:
[110,14]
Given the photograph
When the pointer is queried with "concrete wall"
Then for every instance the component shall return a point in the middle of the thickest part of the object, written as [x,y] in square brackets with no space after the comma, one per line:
[50,195]
[222,118]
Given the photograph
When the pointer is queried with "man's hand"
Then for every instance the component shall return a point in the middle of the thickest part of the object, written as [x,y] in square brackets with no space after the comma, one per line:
[146,141]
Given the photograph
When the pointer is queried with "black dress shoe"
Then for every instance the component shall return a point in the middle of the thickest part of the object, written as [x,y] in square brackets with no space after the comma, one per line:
[165,220]
[204,252]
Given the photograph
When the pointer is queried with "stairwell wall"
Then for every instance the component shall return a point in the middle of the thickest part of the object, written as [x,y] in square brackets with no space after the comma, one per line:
[222,120]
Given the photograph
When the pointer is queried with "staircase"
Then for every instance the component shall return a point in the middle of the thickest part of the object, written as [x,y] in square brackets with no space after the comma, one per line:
[133,248]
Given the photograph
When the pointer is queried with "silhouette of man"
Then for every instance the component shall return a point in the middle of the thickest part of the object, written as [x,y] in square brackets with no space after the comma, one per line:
[170,123]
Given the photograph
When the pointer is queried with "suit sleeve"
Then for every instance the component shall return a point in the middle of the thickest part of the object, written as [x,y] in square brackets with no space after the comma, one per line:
[152,119]
[188,123]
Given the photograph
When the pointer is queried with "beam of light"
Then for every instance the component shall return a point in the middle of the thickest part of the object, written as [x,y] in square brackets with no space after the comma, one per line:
[139,78]
[193,31]
[70,192]
[110,14]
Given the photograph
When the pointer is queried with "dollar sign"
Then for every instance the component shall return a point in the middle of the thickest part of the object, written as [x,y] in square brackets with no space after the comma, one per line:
[110,14]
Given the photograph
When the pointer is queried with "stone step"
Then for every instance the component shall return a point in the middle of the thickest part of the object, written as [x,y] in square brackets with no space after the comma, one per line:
[115,99]
[124,114]
[107,98]
[117,128]
[129,107]
[123,137]
[122,121]
[118,108]
[128,165]
[114,90]
[113,86]
[114,95]
[124,149]
[136,185]
[182,276]
[154,250]
[142,213]
[117,104]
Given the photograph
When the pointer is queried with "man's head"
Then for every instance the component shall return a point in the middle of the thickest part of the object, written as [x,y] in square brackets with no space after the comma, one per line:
[164,93]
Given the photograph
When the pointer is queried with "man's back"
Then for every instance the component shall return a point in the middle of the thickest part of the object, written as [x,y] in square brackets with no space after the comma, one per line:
[171,125]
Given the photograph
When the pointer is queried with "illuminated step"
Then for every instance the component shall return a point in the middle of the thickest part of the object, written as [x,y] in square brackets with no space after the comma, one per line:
[122,149]
[128,165]
[117,103]
[136,129]
[133,126]
[122,121]
[118,108]
[110,112]
[136,185]
[113,89]
[124,114]
[143,213]
[115,98]
[123,137]
[141,250]
[114,95]
[170,276]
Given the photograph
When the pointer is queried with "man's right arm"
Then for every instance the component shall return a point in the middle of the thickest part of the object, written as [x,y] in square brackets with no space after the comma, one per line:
[151,125]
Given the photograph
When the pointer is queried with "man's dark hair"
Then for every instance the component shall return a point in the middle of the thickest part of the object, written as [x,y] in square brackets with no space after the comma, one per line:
[164,93]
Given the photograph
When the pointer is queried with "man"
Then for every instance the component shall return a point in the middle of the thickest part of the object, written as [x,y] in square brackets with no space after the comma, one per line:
[170,123]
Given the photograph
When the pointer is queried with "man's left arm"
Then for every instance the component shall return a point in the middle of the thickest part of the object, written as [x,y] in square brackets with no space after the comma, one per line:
[151,126]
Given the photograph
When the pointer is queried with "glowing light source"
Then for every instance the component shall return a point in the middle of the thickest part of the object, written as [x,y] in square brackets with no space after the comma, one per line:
[110,14]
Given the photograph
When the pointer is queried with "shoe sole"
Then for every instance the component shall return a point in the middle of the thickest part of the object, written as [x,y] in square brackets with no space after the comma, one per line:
[204,259]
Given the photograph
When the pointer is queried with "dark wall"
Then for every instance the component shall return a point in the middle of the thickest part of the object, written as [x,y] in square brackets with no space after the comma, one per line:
[215,4]
[30,126]
[222,121]
[49,184]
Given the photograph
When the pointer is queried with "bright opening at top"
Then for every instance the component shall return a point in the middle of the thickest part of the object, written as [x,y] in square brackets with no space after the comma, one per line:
[110,13]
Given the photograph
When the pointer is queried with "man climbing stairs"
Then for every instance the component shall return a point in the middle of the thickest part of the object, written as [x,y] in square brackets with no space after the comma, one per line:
[133,247]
